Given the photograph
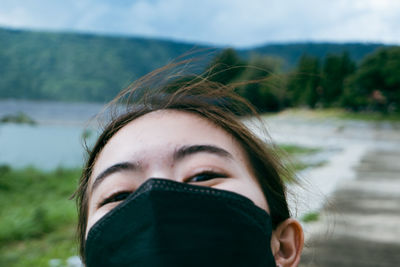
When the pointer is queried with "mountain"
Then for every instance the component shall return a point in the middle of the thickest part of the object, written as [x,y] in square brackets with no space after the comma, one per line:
[291,53]
[70,67]
[89,67]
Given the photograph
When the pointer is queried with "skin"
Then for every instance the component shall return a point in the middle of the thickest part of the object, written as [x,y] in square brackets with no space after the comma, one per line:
[183,147]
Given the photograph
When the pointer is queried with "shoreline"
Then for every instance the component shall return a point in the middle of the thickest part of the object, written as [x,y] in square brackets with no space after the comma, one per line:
[360,221]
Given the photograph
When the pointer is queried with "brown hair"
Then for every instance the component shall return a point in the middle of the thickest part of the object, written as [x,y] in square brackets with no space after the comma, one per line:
[210,100]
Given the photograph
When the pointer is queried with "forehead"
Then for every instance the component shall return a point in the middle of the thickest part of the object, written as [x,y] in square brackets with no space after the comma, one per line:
[153,135]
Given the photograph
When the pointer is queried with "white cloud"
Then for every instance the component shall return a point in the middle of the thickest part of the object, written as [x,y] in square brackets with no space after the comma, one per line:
[233,22]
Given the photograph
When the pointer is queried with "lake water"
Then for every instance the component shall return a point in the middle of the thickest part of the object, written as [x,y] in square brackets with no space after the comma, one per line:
[50,112]
[56,141]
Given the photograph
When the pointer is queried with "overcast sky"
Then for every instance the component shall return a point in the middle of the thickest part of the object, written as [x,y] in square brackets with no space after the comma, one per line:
[239,23]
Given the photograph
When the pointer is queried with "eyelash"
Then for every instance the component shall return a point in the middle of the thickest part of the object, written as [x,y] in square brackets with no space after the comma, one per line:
[116,197]
[207,174]
[122,195]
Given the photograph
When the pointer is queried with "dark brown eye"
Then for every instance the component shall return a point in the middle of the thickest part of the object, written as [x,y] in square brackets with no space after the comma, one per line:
[205,176]
[119,196]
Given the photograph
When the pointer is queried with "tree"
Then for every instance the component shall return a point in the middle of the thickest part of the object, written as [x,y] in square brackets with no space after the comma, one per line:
[376,84]
[263,86]
[225,67]
[334,72]
[304,83]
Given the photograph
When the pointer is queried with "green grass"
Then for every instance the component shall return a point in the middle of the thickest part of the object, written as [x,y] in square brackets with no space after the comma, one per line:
[291,158]
[336,113]
[370,116]
[292,155]
[37,219]
[299,166]
[298,150]
[310,217]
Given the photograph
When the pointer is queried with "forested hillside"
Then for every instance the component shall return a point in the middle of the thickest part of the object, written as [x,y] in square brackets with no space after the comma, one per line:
[77,67]
[87,67]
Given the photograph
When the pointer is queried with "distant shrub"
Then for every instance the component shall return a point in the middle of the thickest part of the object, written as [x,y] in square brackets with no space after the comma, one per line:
[20,118]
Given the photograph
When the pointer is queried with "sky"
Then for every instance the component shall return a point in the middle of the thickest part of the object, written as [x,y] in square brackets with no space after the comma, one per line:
[237,23]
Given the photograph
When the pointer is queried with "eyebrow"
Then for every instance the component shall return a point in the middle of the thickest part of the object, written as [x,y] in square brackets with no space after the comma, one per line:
[178,155]
[186,151]
[119,167]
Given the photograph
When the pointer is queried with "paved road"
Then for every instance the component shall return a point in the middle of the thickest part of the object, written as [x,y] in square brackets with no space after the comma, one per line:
[360,226]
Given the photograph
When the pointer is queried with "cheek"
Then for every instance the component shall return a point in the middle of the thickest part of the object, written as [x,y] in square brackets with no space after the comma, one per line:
[247,188]
[92,219]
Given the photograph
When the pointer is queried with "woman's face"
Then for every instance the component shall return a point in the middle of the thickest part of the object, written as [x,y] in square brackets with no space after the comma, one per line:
[173,145]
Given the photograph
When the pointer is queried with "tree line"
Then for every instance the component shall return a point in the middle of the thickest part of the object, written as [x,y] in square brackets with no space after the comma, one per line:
[88,67]
[334,81]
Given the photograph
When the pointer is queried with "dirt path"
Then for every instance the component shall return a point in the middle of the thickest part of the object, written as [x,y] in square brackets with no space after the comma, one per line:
[360,226]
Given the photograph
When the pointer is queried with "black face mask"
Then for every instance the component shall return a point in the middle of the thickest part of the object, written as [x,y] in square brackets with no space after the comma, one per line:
[167,223]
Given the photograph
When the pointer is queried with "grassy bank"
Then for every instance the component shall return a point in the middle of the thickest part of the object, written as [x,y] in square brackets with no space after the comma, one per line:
[339,114]
[36,218]
[292,155]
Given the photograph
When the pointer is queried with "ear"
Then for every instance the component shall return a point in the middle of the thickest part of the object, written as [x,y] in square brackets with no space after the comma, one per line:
[287,243]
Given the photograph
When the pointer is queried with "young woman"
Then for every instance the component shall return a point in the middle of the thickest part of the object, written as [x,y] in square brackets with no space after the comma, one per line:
[178,180]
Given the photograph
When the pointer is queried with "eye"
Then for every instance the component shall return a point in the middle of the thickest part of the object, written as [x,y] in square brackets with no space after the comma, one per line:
[205,176]
[116,197]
